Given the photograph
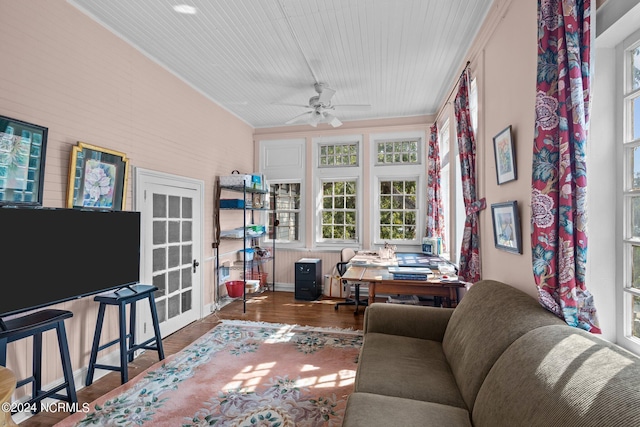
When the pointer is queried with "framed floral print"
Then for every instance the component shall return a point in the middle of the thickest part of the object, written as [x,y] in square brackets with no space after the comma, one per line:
[22,151]
[97,178]
[505,156]
[507,234]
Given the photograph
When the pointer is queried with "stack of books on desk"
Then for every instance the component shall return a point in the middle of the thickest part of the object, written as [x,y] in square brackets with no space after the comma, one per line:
[411,273]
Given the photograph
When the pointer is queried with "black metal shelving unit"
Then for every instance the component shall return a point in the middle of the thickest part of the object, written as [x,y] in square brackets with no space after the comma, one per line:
[248,212]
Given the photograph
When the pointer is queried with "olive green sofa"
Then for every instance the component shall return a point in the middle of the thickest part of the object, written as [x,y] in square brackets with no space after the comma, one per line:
[497,359]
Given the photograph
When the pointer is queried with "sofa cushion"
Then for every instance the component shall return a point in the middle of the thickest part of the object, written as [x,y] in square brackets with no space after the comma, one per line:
[373,410]
[491,316]
[561,376]
[406,367]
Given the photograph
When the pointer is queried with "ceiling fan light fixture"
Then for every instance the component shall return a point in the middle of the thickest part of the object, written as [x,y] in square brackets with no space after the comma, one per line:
[333,120]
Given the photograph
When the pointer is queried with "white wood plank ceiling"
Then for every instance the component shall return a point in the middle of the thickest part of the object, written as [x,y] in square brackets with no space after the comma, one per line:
[400,57]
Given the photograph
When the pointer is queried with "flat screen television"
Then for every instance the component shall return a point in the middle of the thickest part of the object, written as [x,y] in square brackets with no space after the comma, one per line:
[48,256]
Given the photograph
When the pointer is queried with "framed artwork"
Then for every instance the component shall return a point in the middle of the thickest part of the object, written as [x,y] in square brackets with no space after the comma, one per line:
[97,178]
[505,156]
[506,226]
[22,150]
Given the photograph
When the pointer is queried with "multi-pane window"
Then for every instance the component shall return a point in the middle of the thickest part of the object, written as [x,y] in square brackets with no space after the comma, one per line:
[287,212]
[398,152]
[332,155]
[398,209]
[338,214]
[632,188]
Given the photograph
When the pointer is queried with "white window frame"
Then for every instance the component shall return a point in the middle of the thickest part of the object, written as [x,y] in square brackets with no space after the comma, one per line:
[283,162]
[382,172]
[338,173]
[627,242]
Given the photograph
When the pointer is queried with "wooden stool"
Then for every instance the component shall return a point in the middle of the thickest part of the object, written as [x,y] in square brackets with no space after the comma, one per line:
[34,325]
[122,297]
[7,387]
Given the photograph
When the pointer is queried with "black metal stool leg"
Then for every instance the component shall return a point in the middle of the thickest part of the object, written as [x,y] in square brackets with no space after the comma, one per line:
[36,387]
[66,364]
[132,328]
[124,369]
[156,326]
[94,347]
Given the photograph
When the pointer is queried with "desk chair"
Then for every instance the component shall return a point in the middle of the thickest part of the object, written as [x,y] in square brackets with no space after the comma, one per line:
[345,256]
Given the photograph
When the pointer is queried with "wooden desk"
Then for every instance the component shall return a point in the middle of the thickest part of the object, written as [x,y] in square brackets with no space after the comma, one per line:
[381,281]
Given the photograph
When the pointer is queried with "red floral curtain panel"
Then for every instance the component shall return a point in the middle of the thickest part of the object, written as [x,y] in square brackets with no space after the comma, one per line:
[435,215]
[469,268]
[559,181]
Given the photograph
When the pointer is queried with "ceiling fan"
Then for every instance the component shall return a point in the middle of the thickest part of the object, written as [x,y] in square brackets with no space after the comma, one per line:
[320,108]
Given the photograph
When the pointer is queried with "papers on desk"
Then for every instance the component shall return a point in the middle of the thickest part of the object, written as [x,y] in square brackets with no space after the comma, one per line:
[411,273]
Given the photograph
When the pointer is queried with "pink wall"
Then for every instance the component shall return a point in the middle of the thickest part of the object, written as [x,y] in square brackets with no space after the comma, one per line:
[63,71]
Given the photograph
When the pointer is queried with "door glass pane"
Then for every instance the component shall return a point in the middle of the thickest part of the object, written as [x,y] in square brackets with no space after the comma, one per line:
[159,259]
[186,277]
[186,231]
[161,307]
[160,281]
[174,207]
[174,231]
[186,301]
[174,306]
[159,232]
[174,256]
[159,206]
[174,281]
[186,254]
[187,207]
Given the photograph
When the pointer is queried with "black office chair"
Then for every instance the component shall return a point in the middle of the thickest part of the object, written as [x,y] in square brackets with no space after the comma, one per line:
[345,256]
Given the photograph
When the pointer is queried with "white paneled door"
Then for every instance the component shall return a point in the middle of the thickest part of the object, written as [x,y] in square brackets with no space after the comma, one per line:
[171,248]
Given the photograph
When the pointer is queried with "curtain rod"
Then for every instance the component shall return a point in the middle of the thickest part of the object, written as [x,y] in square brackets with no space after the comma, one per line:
[452,90]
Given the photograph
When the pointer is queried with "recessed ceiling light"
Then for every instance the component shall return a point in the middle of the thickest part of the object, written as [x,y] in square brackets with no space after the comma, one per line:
[185,8]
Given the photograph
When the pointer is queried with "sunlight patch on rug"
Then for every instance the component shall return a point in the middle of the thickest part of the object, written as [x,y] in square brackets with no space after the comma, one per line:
[240,373]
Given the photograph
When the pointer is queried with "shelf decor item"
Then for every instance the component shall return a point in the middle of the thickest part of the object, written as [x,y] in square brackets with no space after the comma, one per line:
[97,178]
[506,226]
[503,148]
[22,152]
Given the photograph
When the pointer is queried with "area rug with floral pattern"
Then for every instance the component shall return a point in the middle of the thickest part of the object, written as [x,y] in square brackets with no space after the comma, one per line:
[239,374]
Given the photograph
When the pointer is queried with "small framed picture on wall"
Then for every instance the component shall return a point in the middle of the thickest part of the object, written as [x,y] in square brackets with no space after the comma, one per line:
[507,234]
[503,148]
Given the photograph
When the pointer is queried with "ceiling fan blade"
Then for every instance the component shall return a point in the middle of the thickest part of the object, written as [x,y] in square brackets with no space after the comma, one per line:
[290,105]
[297,118]
[326,95]
[353,106]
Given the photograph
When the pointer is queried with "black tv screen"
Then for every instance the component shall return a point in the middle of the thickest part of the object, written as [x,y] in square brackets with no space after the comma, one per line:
[49,256]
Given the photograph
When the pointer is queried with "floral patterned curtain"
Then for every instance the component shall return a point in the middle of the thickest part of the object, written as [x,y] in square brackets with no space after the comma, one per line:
[435,215]
[469,268]
[559,181]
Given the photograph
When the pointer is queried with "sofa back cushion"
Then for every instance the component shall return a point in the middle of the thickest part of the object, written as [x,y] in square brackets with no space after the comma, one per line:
[561,376]
[490,317]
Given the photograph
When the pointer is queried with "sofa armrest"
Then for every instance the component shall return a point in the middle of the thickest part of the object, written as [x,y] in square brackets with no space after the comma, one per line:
[413,321]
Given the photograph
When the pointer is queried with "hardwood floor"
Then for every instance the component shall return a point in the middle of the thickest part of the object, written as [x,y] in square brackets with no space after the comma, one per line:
[275,307]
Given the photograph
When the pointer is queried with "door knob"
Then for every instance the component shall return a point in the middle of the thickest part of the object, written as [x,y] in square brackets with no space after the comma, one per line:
[195,265]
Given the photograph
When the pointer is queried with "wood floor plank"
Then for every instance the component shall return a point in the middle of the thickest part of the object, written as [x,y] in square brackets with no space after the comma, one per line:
[273,307]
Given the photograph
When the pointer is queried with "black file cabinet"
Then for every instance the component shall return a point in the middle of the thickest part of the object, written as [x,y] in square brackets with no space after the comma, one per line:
[308,279]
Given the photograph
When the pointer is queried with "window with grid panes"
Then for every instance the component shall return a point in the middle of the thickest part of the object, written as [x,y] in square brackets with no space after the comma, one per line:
[631,142]
[338,215]
[287,212]
[332,155]
[398,209]
[397,152]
